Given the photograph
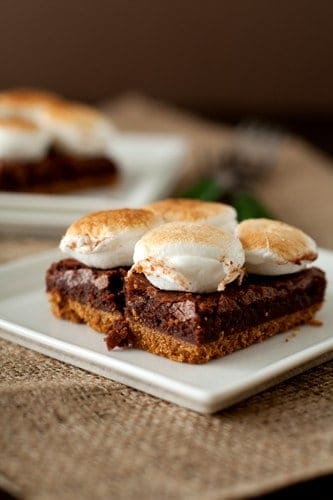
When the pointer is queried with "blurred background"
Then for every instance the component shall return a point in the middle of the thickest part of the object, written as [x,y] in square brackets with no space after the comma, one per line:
[197,69]
[222,59]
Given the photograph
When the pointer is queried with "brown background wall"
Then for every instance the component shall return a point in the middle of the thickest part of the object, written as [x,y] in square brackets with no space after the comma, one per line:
[219,57]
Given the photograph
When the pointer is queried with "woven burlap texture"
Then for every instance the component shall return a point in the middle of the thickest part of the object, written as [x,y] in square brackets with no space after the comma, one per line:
[69,434]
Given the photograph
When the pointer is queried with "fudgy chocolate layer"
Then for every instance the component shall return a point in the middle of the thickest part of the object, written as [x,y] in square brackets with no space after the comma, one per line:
[99,288]
[202,318]
[55,168]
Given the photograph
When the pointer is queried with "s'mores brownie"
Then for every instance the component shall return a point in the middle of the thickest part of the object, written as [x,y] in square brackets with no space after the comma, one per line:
[196,292]
[78,142]
[188,290]
[87,287]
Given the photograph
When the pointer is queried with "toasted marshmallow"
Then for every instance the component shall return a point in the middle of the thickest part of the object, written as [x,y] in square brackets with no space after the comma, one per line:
[78,129]
[184,256]
[28,104]
[201,212]
[274,248]
[22,140]
[106,239]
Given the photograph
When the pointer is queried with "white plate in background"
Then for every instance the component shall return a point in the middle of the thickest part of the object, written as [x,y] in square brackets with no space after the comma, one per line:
[26,319]
[150,164]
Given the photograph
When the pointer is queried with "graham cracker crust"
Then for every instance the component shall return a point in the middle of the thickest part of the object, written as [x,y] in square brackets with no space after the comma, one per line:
[168,346]
[101,321]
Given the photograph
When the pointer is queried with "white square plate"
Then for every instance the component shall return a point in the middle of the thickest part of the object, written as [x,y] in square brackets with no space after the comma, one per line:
[150,167]
[27,320]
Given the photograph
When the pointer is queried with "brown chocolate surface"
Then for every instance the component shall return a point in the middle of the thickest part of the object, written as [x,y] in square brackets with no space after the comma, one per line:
[203,318]
[197,319]
[56,168]
[99,288]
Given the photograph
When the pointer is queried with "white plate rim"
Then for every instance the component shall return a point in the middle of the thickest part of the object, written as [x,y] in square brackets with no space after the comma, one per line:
[183,394]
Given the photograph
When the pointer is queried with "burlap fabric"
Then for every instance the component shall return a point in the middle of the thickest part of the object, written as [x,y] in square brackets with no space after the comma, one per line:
[69,434]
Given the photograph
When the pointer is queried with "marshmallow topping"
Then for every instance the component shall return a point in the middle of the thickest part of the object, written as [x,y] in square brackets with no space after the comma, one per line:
[78,129]
[22,140]
[182,209]
[275,248]
[185,256]
[106,239]
[28,104]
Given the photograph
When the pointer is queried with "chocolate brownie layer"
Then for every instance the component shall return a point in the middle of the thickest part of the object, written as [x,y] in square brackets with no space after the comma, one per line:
[56,172]
[169,346]
[100,288]
[182,326]
[220,322]
[81,294]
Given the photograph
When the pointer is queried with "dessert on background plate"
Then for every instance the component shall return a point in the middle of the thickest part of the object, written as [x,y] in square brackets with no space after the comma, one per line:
[49,144]
[189,291]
